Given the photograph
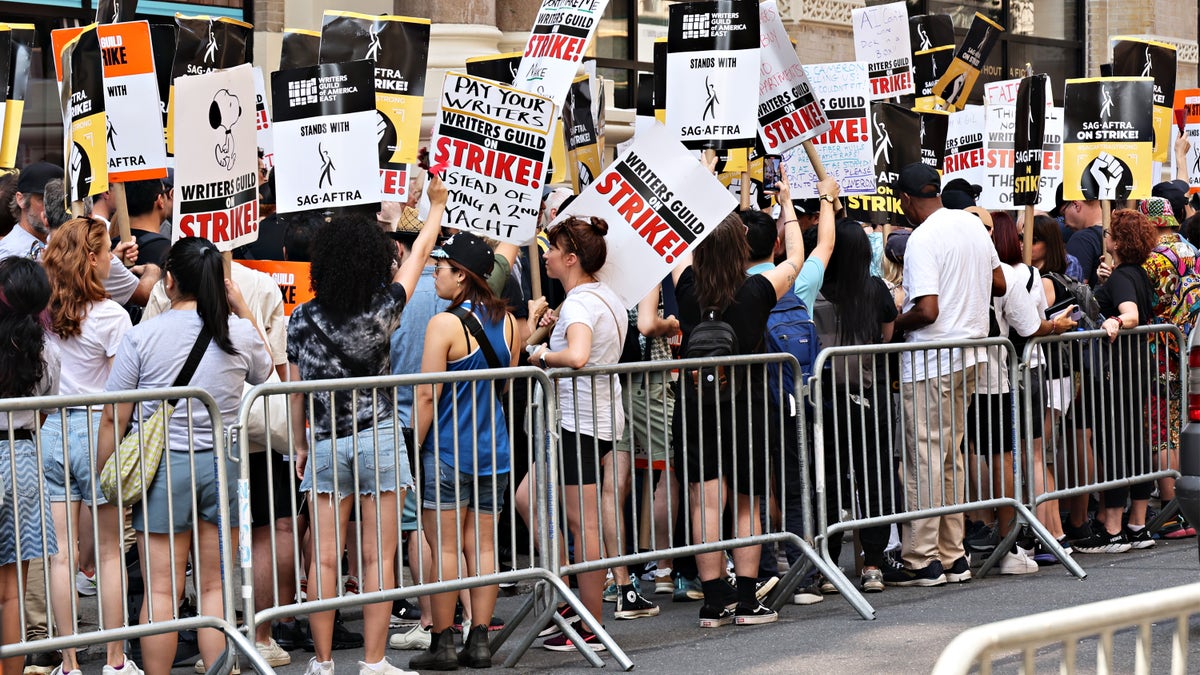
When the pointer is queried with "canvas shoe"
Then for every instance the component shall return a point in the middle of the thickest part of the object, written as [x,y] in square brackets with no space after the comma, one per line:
[1017,563]
[715,617]
[752,616]
[560,642]
[631,605]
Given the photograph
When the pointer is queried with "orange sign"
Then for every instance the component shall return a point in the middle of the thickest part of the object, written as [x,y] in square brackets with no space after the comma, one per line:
[292,278]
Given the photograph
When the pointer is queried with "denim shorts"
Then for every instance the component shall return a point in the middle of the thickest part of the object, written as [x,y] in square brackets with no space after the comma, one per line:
[81,457]
[451,489]
[167,506]
[375,448]
[24,506]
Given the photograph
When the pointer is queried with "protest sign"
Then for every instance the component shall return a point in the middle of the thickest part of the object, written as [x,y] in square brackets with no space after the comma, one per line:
[557,43]
[399,46]
[216,171]
[928,67]
[965,156]
[843,92]
[1139,57]
[88,136]
[262,120]
[115,11]
[788,113]
[292,278]
[955,85]
[934,126]
[660,80]
[299,49]
[162,43]
[583,142]
[21,36]
[1108,138]
[659,203]
[1028,141]
[713,73]
[930,31]
[499,67]
[896,135]
[492,142]
[6,54]
[135,146]
[1187,102]
[204,44]
[881,41]
[325,123]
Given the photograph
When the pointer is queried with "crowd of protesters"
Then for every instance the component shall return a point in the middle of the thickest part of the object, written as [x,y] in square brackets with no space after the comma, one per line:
[395,293]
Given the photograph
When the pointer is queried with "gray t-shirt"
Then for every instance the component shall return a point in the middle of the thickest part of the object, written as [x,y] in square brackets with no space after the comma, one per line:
[153,352]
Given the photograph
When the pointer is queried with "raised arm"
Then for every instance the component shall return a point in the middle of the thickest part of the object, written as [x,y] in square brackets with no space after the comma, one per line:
[783,276]
[408,273]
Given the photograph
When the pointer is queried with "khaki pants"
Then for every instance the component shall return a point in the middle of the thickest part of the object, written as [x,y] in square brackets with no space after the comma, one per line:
[935,412]
[35,600]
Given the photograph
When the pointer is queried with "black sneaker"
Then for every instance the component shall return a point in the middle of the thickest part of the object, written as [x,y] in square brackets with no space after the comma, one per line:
[631,604]
[982,538]
[1102,543]
[959,572]
[567,613]
[343,638]
[405,614]
[750,616]
[715,617]
[290,636]
[1073,533]
[1140,538]
[930,575]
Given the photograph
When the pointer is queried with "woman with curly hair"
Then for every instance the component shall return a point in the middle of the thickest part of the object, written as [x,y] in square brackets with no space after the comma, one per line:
[29,366]
[357,456]
[1118,391]
[87,327]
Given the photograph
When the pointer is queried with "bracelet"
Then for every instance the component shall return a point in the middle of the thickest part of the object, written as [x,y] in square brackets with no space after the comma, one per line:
[793,220]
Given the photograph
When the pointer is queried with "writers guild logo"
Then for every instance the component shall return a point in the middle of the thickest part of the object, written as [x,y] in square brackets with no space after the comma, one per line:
[327,167]
[922,130]
[1106,104]
[696,26]
[925,41]
[512,70]
[710,100]
[224,112]
[210,52]
[111,133]
[373,46]
[1149,64]
[302,92]
[883,142]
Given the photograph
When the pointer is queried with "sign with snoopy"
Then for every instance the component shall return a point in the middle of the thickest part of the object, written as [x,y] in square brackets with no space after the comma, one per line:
[216,168]
[325,127]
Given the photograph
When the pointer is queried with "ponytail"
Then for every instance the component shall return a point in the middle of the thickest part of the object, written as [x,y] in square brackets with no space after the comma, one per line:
[24,294]
[197,269]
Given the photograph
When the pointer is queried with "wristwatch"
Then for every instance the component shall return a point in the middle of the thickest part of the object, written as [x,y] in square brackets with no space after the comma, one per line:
[828,198]
[542,360]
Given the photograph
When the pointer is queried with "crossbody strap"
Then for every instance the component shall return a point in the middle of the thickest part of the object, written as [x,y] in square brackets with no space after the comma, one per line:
[471,323]
[193,361]
[357,368]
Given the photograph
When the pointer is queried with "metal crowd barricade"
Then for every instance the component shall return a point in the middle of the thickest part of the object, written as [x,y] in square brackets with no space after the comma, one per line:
[371,403]
[754,447]
[1115,412]
[49,590]
[867,420]
[1052,640]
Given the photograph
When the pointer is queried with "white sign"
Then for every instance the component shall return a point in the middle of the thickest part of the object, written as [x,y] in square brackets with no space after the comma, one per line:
[559,39]
[262,120]
[134,125]
[846,151]
[965,155]
[788,113]
[493,142]
[997,178]
[881,40]
[216,158]
[1004,92]
[659,203]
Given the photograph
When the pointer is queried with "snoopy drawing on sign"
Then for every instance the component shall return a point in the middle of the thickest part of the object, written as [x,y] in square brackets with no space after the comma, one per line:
[224,112]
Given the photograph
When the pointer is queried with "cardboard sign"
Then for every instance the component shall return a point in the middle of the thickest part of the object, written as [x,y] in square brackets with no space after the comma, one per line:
[262,120]
[493,142]
[1009,136]
[399,46]
[557,43]
[659,203]
[582,135]
[499,67]
[788,113]
[135,146]
[292,277]
[935,124]
[928,67]
[162,43]
[1138,57]
[21,36]
[87,156]
[1108,138]
[1188,102]
[713,67]
[1029,138]
[299,49]
[881,41]
[216,175]
[930,31]
[896,135]
[965,156]
[956,83]
[843,92]
[325,123]
[204,44]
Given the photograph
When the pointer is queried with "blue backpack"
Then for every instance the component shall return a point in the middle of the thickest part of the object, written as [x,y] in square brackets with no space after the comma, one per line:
[790,329]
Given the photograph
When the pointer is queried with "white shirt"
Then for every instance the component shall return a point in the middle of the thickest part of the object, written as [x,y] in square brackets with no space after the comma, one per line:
[951,256]
[597,306]
[86,357]
[1016,311]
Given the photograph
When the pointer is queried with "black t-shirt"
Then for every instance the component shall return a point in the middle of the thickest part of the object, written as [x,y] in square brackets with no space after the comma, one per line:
[879,297]
[1087,245]
[1128,283]
[747,314]
[152,247]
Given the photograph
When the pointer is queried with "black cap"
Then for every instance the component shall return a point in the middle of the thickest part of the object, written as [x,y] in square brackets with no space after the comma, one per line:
[897,243]
[469,251]
[169,180]
[1059,202]
[34,177]
[807,206]
[1174,191]
[959,194]
[919,180]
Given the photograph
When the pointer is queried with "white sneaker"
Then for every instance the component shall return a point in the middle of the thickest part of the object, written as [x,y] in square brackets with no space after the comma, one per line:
[382,668]
[59,671]
[85,585]
[272,653]
[199,668]
[416,638]
[129,668]
[316,667]
[1017,563]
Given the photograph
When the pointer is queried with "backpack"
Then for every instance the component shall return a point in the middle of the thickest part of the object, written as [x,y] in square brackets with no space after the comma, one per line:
[790,330]
[1185,300]
[1082,296]
[712,337]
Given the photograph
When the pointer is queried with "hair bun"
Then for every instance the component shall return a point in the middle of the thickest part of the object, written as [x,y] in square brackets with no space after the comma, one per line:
[599,225]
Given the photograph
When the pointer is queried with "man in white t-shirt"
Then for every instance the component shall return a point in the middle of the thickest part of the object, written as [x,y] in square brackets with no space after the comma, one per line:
[951,272]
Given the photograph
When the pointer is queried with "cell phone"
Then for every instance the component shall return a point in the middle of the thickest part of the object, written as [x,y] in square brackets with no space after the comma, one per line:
[771,173]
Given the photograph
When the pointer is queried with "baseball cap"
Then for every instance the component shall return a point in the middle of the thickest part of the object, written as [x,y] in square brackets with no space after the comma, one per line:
[469,251]
[959,194]
[1174,191]
[917,178]
[1159,211]
[980,213]
[1059,202]
[807,206]
[33,178]
[897,243]
[169,180]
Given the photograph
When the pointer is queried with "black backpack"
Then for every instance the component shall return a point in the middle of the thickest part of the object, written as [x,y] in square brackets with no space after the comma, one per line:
[712,337]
